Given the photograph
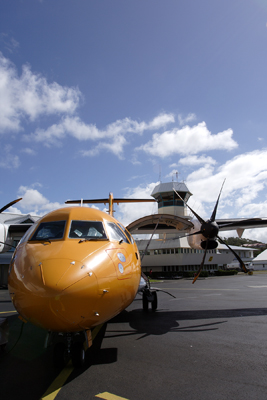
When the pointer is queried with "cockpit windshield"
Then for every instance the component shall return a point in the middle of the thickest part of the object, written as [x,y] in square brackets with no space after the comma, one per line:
[87,230]
[49,231]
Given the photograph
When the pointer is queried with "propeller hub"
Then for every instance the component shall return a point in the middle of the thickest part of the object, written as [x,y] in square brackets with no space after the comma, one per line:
[210,229]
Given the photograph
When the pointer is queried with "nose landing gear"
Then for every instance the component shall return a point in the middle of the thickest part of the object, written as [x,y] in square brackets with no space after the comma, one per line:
[69,346]
[150,297]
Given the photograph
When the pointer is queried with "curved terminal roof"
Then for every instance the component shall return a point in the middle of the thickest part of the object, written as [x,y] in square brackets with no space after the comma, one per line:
[167,223]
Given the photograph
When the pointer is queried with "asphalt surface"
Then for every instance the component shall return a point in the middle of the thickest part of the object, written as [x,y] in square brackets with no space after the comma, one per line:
[207,343]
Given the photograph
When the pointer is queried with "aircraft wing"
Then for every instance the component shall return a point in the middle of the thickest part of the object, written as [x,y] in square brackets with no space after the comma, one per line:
[237,223]
[167,223]
[107,200]
[240,224]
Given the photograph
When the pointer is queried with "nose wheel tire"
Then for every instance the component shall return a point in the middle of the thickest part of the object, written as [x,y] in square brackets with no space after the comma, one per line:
[154,303]
[61,355]
[150,298]
[77,354]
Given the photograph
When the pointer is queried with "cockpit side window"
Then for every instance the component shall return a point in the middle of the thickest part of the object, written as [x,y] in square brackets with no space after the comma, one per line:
[115,233]
[49,230]
[27,234]
[129,236]
[87,230]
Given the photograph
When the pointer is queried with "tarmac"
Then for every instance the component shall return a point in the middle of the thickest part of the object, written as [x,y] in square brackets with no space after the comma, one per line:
[207,343]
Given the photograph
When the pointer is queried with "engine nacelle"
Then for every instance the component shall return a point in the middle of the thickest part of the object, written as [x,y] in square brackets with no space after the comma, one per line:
[199,241]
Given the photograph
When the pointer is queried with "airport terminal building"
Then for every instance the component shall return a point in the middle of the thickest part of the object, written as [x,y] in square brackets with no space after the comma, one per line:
[177,256]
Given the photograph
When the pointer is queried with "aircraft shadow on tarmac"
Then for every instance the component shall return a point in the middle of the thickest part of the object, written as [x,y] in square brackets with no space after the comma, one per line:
[161,322]
[27,369]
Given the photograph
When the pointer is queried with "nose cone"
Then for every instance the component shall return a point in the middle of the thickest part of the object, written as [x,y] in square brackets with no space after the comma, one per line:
[72,307]
[62,300]
[54,293]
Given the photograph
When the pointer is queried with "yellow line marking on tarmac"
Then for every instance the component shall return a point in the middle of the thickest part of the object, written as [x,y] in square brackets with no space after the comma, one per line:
[53,390]
[7,312]
[57,384]
[109,396]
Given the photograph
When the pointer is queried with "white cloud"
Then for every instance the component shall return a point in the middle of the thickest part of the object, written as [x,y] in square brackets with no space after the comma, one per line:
[189,118]
[161,120]
[112,138]
[116,147]
[30,96]
[259,234]
[35,203]
[188,140]
[246,177]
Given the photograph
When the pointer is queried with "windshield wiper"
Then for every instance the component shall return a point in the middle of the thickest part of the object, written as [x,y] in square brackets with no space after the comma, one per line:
[92,238]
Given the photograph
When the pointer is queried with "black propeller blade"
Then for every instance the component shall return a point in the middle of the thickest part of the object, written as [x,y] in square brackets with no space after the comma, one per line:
[6,244]
[235,254]
[9,205]
[195,214]
[213,216]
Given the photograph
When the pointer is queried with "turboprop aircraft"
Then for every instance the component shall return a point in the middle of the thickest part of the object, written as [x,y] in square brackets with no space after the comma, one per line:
[78,267]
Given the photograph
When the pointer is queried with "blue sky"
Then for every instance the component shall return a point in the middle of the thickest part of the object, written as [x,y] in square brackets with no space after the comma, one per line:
[111,96]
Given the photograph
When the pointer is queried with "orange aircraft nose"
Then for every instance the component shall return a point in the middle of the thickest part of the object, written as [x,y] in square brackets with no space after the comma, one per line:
[54,299]
[72,302]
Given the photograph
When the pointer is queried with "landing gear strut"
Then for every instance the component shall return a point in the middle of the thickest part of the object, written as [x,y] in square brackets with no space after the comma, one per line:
[69,345]
[150,297]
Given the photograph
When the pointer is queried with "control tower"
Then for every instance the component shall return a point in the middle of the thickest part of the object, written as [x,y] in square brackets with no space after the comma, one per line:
[168,201]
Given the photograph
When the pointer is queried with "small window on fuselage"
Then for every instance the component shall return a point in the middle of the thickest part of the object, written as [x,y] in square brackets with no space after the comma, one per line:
[115,233]
[87,230]
[51,230]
